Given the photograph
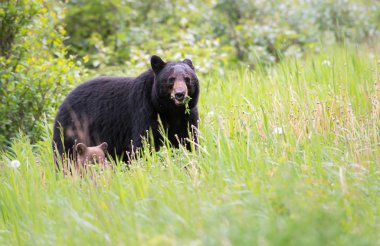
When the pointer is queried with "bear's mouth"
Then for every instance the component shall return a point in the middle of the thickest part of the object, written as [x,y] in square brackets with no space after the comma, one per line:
[179,102]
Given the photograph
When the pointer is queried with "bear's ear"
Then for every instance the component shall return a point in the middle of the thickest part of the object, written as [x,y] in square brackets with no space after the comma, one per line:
[157,64]
[81,148]
[104,146]
[189,62]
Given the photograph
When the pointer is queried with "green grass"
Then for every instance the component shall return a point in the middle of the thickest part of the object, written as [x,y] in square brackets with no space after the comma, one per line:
[289,156]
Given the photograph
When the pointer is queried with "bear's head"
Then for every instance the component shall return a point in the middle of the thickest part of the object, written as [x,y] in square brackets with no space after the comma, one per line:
[176,85]
[91,155]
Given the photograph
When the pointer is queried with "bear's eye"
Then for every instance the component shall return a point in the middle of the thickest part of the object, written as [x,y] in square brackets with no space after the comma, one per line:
[171,80]
[187,80]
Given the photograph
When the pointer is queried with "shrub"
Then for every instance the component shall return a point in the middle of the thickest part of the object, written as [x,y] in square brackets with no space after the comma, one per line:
[216,33]
[35,74]
[264,31]
[128,33]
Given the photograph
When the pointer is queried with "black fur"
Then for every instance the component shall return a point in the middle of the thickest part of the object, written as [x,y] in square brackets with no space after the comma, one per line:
[121,110]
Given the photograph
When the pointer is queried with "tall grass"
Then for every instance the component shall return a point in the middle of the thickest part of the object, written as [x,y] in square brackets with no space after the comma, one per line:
[288,156]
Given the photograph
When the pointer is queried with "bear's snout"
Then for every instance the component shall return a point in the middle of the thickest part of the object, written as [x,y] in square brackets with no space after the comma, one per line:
[179,92]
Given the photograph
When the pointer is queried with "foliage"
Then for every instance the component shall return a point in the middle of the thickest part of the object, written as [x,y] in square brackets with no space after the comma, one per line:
[35,74]
[215,33]
[129,32]
[264,31]
[288,156]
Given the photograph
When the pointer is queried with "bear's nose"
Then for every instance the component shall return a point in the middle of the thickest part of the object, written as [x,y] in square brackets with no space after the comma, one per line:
[179,96]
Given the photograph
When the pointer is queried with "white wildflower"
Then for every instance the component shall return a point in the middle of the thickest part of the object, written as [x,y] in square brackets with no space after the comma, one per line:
[278,130]
[15,164]
[326,63]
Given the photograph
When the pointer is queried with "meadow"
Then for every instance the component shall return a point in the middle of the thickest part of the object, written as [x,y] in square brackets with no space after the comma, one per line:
[288,155]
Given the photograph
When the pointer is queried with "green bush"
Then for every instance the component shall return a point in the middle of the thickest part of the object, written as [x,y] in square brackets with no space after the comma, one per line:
[215,33]
[35,73]
[265,31]
[120,32]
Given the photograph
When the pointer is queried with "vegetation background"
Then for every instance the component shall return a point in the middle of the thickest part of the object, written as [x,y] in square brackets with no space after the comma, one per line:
[289,148]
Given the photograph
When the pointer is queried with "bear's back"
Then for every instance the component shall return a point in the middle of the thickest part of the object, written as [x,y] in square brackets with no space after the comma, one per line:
[103,109]
[100,87]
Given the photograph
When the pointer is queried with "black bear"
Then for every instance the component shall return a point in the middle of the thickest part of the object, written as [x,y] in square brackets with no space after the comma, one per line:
[122,110]
[88,160]
[87,155]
